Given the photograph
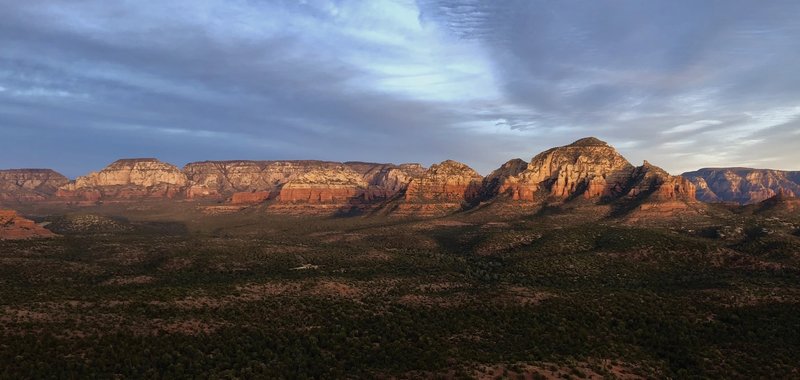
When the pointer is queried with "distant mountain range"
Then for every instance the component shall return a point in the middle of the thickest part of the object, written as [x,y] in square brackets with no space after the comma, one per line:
[743,185]
[587,172]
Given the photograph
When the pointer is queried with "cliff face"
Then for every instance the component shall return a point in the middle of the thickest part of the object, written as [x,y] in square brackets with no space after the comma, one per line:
[587,167]
[588,170]
[298,181]
[743,185]
[658,185]
[221,178]
[14,226]
[443,188]
[28,185]
[335,185]
[127,179]
[449,181]
[591,170]
[494,182]
[385,180]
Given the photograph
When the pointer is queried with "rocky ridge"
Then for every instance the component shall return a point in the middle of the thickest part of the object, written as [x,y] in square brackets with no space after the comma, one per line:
[334,185]
[743,185]
[127,179]
[444,187]
[13,226]
[588,172]
[29,185]
[243,182]
[589,169]
[783,202]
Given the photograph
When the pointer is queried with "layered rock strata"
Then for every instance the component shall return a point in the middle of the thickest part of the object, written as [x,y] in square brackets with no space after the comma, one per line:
[443,188]
[29,185]
[294,181]
[587,167]
[592,171]
[743,185]
[128,179]
[335,185]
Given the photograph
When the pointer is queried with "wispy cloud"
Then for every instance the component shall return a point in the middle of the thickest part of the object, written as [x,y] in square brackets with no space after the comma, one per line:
[476,81]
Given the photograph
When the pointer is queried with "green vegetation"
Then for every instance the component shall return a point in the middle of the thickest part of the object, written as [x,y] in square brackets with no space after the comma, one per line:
[303,298]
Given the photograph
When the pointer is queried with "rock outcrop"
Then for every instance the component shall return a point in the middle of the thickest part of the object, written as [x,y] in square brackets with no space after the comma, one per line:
[449,181]
[29,185]
[783,203]
[742,185]
[587,173]
[313,182]
[653,195]
[14,226]
[443,188]
[223,178]
[249,197]
[335,185]
[493,183]
[594,172]
[656,184]
[588,167]
[128,179]
[385,180]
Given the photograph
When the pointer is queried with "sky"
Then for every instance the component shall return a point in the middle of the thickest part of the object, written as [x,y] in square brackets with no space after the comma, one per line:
[683,84]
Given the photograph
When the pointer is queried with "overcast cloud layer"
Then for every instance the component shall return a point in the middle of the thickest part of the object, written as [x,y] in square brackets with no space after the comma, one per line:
[682,83]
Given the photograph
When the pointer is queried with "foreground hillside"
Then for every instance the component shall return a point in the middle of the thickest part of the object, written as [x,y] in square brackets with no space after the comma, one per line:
[153,290]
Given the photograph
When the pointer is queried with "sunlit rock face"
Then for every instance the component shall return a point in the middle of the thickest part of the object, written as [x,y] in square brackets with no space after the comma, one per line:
[594,172]
[445,187]
[29,185]
[335,185]
[659,185]
[249,197]
[128,179]
[494,182]
[298,181]
[385,180]
[742,185]
[449,181]
[13,226]
[588,167]
[213,178]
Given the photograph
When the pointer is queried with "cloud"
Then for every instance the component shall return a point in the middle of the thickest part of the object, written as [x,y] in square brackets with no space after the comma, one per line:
[476,81]
[693,126]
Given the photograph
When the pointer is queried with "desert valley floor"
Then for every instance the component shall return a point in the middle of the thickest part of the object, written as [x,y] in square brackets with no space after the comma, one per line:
[169,289]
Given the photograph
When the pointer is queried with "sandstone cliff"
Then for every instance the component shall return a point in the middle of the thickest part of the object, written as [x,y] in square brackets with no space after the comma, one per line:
[592,171]
[587,167]
[28,185]
[443,188]
[127,179]
[586,173]
[449,181]
[335,185]
[742,185]
[385,180]
[14,226]
[294,181]
[495,180]
[222,178]
[658,185]
[249,197]
[653,195]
